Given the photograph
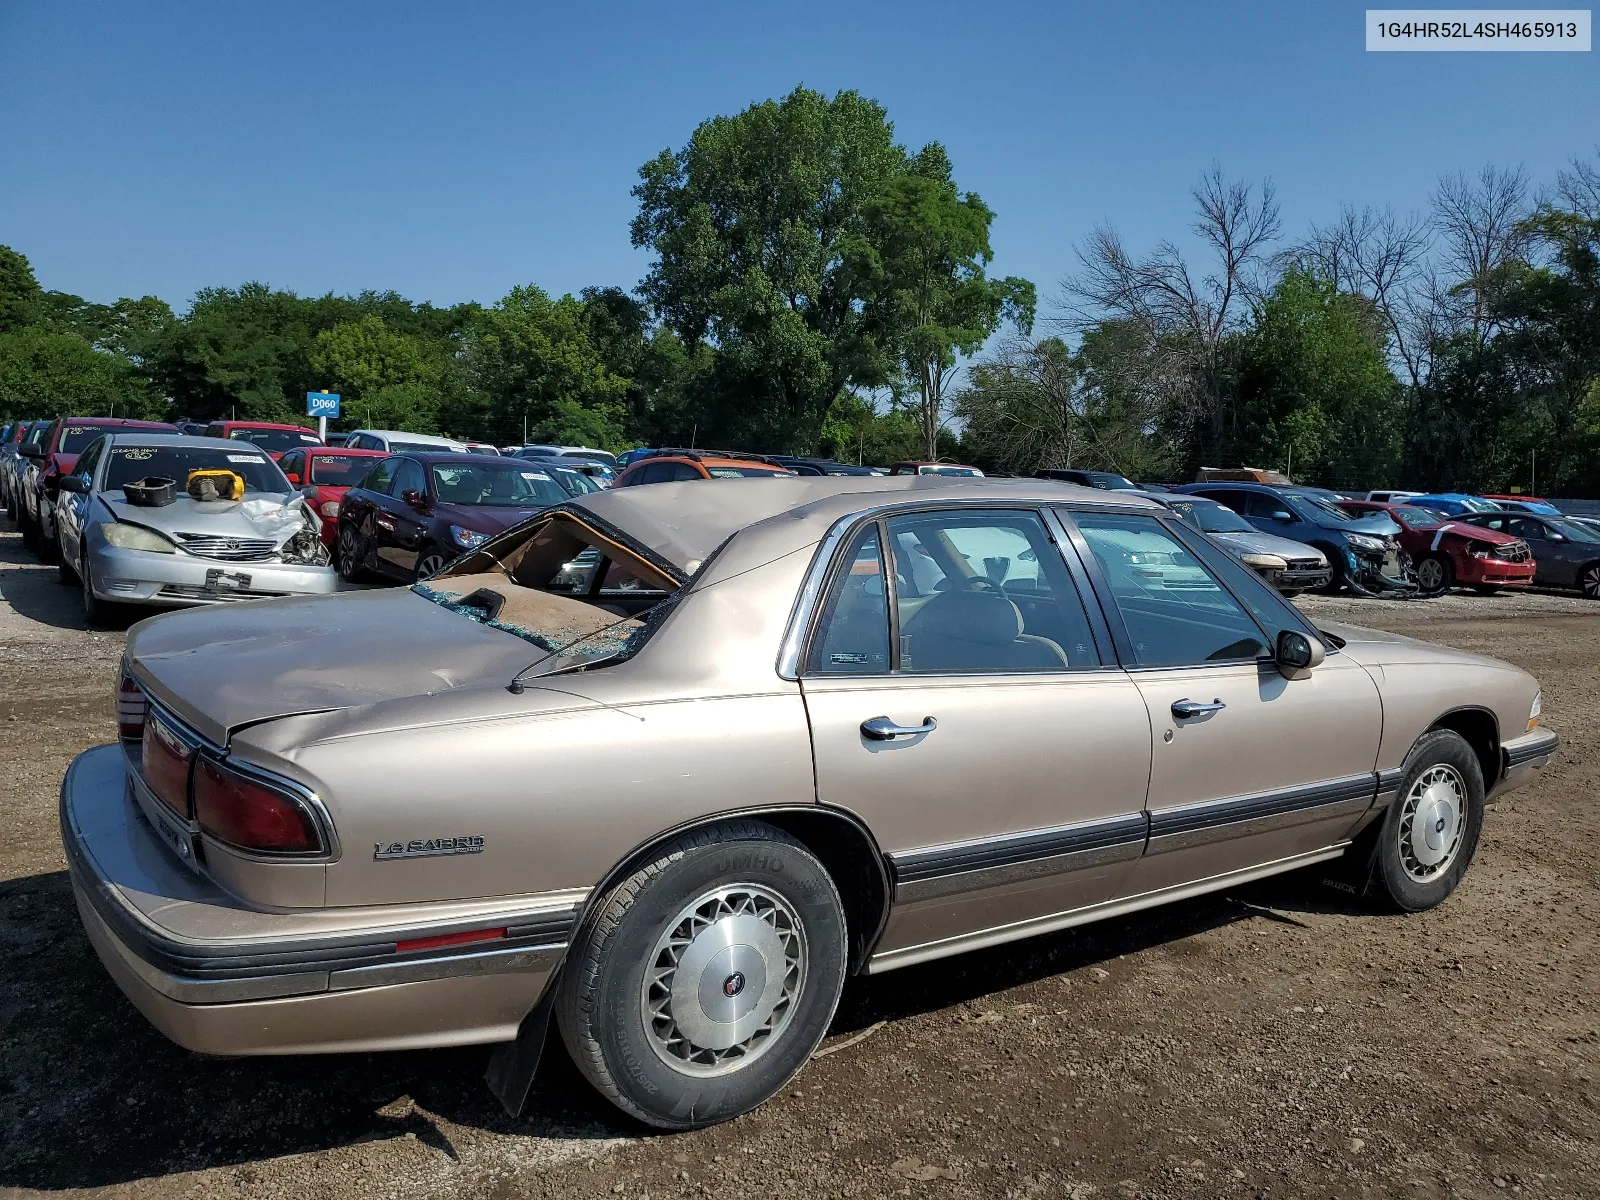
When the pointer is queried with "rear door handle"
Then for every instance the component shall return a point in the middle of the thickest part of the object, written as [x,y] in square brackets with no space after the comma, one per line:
[882,729]
[1193,708]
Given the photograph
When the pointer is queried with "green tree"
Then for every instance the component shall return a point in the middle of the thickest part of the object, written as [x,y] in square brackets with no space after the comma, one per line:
[750,222]
[532,361]
[20,293]
[1314,392]
[920,263]
[386,379]
[43,373]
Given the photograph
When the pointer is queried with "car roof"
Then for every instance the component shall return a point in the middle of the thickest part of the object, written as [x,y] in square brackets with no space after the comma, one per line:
[434,457]
[402,435]
[685,522]
[357,450]
[135,437]
[263,425]
[124,422]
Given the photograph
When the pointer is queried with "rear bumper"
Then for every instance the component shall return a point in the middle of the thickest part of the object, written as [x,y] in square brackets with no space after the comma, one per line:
[1523,758]
[178,580]
[218,976]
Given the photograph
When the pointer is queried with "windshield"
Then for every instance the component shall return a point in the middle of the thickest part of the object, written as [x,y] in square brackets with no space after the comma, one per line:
[420,448]
[964,472]
[495,483]
[1414,518]
[599,456]
[1212,518]
[340,470]
[1573,530]
[1317,510]
[744,472]
[576,482]
[274,439]
[129,464]
[76,438]
[1112,482]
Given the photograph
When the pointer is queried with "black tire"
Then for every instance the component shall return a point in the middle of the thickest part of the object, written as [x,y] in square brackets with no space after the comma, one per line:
[1414,829]
[1589,581]
[29,532]
[1436,574]
[606,1020]
[1336,579]
[45,546]
[97,613]
[66,573]
[352,551]
[429,560]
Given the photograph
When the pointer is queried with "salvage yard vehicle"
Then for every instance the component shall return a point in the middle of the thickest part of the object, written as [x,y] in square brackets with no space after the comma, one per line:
[275,438]
[778,733]
[673,465]
[1447,553]
[133,531]
[415,512]
[324,474]
[51,457]
[1566,553]
[1361,550]
[952,470]
[394,441]
[1106,480]
[12,461]
[1452,504]
[1291,567]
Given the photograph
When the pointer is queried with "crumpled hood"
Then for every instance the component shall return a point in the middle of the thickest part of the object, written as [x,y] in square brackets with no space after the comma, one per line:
[1266,543]
[1373,526]
[271,515]
[229,665]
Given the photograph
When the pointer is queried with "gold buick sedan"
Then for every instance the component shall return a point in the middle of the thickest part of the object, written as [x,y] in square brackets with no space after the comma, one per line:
[668,763]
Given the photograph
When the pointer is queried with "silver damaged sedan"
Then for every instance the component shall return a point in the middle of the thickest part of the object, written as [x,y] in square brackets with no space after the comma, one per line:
[127,542]
[660,767]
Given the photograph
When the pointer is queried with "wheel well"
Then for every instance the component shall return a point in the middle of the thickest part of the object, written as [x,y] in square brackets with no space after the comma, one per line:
[1480,731]
[841,843]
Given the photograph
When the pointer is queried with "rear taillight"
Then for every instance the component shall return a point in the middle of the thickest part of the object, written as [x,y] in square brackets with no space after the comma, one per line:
[244,812]
[131,708]
[165,761]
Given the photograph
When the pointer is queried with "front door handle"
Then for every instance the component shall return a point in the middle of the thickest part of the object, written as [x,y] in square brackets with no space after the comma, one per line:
[882,729]
[1193,708]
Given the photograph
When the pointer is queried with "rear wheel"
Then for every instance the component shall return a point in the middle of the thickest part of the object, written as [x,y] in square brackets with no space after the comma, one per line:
[1431,829]
[1337,577]
[707,977]
[45,545]
[1435,574]
[1589,581]
[66,573]
[29,532]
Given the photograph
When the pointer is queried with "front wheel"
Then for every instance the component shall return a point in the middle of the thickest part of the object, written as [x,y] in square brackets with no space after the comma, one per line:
[707,978]
[1589,581]
[1435,574]
[1431,829]
[351,553]
[430,562]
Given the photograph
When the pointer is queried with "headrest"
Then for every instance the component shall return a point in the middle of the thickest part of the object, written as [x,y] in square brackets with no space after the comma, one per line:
[972,616]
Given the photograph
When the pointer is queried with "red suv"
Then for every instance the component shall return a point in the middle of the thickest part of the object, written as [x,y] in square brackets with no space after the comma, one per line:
[325,474]
[51,457]
[275,439]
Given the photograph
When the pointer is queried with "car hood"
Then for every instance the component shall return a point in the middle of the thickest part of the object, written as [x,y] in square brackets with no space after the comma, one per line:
[270,515]
[485,518]
[1379,648]
[1476,532]
[1373,526]
[227,666]
[1265,543]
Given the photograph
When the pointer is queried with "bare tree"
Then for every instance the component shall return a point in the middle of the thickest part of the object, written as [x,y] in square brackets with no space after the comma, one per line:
[1579,188]
[1383,257]
[1479,228]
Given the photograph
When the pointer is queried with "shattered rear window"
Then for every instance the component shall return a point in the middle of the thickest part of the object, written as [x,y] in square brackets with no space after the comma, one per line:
[561,627]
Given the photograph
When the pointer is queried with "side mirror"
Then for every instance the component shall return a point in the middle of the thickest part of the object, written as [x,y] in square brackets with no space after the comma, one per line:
[1297,654]
[293,478]
[31,450]
[1284,516]
[415,499]
[76,484]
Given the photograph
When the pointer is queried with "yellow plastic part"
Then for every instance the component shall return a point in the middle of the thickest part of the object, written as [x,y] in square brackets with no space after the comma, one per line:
[230,486]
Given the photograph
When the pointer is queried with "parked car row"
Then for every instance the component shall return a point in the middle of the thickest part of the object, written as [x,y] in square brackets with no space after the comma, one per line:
[520,791]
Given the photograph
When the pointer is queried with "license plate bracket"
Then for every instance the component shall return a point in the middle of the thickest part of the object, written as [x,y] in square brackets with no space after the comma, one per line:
[218,580]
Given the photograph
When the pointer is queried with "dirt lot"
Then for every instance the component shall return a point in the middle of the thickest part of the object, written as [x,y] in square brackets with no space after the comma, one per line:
[1277,1041]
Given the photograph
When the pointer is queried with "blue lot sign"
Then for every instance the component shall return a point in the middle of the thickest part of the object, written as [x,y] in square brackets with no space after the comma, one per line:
[322,404]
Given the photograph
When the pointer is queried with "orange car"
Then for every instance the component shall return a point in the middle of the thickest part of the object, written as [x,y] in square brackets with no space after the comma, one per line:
[677,466]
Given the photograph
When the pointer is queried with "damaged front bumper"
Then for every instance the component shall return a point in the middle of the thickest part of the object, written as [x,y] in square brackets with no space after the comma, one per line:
[179,579]
[219,976]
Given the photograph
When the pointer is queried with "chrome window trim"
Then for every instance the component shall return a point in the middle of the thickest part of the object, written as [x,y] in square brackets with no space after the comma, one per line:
[791,650]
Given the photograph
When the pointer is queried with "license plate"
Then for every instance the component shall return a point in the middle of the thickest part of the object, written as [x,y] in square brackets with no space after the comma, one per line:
[218,580]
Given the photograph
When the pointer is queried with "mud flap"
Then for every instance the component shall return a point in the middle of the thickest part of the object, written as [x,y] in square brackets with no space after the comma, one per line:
[513,1064]
[1353,871]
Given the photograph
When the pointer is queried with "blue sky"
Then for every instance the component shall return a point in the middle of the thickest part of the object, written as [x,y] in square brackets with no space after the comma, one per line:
[450,151]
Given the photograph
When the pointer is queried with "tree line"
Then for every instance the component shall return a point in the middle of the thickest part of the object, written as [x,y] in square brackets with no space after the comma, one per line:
[816,286]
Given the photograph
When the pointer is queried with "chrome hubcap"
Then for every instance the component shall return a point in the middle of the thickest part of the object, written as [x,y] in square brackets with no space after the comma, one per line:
[1431,823]
[722,982]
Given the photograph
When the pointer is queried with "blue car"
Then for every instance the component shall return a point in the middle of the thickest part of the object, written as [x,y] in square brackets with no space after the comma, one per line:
[1362,550]
[1456,504]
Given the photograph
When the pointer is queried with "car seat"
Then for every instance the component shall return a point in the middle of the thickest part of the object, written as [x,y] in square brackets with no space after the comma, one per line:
[975,629]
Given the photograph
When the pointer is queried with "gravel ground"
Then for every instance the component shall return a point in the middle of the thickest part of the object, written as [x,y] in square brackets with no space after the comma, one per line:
[1274,1041]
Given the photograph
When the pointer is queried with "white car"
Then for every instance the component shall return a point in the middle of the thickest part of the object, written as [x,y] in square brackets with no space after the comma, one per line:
[1391,497]
[398,441]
